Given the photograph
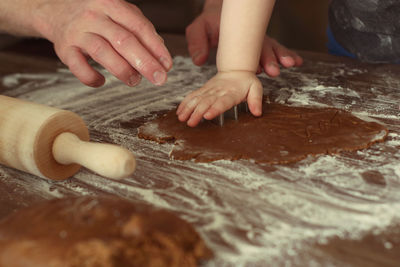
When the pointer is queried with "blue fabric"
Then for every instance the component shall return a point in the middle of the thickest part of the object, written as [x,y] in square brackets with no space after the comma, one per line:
[335,48]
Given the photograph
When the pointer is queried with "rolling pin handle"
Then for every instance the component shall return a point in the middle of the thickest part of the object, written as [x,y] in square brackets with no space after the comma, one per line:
[104,159]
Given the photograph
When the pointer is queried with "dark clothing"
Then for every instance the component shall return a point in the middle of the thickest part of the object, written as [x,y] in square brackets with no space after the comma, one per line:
[369,29]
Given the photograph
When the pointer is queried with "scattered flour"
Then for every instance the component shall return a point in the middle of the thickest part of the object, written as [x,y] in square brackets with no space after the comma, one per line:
[249,214]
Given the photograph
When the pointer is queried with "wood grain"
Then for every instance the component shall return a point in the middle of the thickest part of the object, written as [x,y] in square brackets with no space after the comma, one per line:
[248,214]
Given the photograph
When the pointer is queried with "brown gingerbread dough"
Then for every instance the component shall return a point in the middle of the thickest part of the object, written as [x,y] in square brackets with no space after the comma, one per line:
[102,232]
[283,134]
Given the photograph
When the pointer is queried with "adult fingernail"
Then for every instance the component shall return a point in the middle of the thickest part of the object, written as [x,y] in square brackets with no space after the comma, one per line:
[166,63]
[273,65]
[134,80]
[159,77]
[272,69]
[287,61]
[197,54]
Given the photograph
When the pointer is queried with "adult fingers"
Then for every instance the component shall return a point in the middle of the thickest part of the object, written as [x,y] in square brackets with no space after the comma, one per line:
[197,39]
[132,19]
[213,32]
[102,52]
[131,50]
[268,59]
[78,65]
[286,57]
[298,59]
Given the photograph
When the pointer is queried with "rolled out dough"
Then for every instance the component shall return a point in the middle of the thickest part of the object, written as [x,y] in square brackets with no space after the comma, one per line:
[284,134]
[105,232]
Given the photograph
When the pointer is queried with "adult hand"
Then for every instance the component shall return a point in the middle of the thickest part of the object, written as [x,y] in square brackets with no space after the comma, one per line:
[274,54]
[219,94]
[114,33]
[203,33]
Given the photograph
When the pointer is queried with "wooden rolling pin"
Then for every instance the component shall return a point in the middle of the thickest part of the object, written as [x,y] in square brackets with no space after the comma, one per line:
[53,143]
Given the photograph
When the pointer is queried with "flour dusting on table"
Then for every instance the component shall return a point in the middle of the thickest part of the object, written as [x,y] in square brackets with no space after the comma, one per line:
[245,212]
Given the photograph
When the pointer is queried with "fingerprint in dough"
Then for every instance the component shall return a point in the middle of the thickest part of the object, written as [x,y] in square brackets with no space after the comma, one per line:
[283,134]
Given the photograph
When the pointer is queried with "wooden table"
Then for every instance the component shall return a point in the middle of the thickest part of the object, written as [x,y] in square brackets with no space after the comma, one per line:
[341,209]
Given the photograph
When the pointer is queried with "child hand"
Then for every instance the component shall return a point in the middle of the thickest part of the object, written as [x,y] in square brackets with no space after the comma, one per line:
[221,93]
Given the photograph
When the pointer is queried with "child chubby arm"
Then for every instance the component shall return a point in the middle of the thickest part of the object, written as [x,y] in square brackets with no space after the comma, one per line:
[202,35]
[242,31]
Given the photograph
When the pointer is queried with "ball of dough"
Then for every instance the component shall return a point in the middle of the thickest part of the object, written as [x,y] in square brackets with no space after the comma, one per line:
[97,232]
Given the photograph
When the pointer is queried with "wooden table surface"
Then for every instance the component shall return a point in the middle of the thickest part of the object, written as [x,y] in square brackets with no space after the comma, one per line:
[341,210]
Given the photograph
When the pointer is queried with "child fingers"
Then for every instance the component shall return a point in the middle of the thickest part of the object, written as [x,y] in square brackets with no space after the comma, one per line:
[201,108]
[203,91]
[185,102]
[254,98]
[188,107]
[221,105]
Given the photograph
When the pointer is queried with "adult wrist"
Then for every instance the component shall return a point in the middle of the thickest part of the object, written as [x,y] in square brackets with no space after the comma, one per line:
[17,18]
